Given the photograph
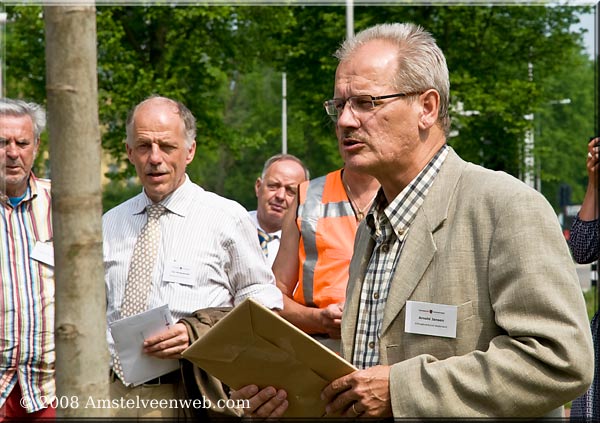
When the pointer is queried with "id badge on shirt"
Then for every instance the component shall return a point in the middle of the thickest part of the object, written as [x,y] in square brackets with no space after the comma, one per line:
[431,319]
[179,272]
[43,252]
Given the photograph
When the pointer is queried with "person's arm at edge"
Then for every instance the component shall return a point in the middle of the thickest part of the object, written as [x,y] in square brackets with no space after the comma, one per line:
[589,208]
[285,268]
[584,241]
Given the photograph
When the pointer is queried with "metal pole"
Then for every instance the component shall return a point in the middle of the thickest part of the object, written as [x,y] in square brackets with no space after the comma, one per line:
[283,113]
[349,18]
[3,16]
[529,168]
[538,172]
[529,160]
[594,282]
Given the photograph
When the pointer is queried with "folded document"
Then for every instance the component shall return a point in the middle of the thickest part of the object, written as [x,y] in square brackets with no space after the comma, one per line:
[129,335]
[253,345]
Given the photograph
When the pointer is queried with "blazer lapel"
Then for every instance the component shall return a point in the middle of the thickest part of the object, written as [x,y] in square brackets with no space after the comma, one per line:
[363,247]
[420,247]
[415,258]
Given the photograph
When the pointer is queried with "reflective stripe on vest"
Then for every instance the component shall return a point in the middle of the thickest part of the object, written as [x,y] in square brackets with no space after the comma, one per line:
[324,207]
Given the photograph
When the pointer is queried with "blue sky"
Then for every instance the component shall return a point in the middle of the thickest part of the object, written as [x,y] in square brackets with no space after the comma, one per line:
[587,21]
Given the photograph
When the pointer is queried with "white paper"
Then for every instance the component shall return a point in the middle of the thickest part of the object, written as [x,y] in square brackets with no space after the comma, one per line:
[43,252]
[430,319]
[129,335]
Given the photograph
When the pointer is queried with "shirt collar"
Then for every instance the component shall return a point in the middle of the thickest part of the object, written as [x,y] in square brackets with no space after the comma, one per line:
[178,202]
[276,234]
[254,217]
[401,210]
[30,193]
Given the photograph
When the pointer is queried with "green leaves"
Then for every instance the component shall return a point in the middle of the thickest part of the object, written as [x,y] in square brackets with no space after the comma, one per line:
[225,64]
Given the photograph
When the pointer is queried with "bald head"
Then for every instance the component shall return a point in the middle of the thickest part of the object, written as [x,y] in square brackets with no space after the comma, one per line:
[187,118]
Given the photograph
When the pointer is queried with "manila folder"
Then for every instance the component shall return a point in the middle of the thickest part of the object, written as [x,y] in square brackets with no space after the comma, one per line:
[254,345]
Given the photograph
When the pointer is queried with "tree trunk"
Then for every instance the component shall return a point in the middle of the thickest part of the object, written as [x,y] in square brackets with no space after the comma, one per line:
[81,350]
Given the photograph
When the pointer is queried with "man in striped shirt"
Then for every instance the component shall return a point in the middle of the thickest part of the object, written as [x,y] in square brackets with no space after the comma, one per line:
[26,268]
[207,251]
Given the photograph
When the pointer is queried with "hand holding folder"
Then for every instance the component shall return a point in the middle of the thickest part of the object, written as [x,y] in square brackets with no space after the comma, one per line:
[253,345]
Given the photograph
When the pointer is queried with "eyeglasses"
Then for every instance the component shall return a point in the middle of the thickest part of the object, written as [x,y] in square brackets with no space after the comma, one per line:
[358,103]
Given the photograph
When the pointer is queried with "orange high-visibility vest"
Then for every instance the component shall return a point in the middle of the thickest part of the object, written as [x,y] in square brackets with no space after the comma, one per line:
[327,226]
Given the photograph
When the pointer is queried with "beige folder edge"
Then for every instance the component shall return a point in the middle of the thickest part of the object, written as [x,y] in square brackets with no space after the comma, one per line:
[254,345]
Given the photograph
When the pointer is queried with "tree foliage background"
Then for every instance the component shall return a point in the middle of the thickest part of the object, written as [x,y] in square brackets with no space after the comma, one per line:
[225,64]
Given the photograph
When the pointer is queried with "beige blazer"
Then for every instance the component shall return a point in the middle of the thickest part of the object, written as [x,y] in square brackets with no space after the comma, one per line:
[488,244]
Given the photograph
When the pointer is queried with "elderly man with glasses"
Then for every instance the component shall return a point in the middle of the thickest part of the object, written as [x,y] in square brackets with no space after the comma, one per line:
[463,300]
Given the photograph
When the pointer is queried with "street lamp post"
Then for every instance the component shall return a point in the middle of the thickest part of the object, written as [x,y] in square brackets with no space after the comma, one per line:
[349,18]
[529,170]
[283,113]
[533,171]
[3,16]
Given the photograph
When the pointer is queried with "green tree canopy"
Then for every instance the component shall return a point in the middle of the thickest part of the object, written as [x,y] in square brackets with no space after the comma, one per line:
[225,63]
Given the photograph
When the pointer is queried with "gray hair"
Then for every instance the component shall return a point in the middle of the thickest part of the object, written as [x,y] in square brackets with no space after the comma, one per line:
[188,119]
[36,112]
[421,63]
[279,157]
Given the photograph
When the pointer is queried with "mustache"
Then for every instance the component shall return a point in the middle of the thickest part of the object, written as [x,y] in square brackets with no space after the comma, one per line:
[155,169]
[351,134]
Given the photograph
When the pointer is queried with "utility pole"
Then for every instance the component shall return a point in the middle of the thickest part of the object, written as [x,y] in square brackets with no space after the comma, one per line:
[283,113]
[349,18]
[529,145]
[3,17]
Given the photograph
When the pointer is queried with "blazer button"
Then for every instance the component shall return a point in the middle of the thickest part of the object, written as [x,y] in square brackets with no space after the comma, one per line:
[385,248]
[371,344]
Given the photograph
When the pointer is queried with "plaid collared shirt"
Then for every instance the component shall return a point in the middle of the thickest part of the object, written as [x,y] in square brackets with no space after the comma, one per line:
[389,225]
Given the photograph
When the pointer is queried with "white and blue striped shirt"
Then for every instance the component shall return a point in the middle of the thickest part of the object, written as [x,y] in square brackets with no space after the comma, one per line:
[209,234]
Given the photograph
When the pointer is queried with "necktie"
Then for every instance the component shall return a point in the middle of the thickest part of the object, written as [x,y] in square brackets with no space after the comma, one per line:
[264,238]
[139,278]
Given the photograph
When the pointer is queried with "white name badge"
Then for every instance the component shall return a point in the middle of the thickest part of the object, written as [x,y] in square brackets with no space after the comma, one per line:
[430,319]
[180,273]
[43,252]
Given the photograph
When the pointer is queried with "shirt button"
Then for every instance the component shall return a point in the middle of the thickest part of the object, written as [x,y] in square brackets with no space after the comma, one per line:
[376,295]
[385,248]
[371,345]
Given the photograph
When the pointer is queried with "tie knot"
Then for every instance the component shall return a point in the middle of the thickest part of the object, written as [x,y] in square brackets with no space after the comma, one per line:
[263,236]
[155,211]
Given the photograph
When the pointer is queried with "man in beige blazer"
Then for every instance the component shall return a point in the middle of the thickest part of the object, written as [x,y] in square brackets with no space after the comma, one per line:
[462,300]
